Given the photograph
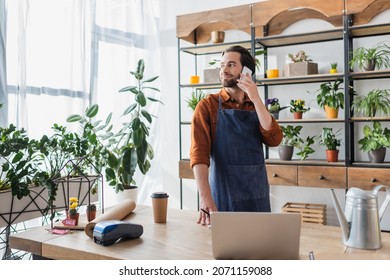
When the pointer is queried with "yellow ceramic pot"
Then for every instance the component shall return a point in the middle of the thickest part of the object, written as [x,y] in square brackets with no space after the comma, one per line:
[194,79]
[272,73]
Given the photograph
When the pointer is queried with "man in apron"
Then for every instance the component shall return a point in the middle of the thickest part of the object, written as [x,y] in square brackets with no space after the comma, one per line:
[228,131]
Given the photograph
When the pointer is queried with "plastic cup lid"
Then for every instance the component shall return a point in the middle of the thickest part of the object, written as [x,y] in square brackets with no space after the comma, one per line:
[160,195]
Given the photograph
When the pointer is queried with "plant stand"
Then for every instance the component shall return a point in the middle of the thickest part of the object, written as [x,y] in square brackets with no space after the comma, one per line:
[78,186]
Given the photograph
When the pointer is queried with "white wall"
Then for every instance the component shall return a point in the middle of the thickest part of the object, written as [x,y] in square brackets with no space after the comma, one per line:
[169,76]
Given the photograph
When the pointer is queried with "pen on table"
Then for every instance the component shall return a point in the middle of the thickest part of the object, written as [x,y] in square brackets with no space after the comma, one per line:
[204,211]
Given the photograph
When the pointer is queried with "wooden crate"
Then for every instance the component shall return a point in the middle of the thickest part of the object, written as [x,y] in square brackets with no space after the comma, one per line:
[311,213]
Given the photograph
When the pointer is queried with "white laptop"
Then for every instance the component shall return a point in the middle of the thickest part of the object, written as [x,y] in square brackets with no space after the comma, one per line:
[255,235]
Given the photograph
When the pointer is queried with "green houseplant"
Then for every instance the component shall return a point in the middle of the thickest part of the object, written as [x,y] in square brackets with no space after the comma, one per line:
[369,59]
[305,148]
[132,149]
[330,96]
[377,101]
[121,153]
[196,97]
[331,141]
[375,140]
[291,139]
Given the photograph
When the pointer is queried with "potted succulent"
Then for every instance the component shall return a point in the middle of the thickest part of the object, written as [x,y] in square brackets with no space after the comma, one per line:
[331,97]
[91,212]
[377,101]
[291,139]
[274,107]
[297,107]
[196,96]
[333,68]
[331,141]
[369,59]
[300,65]
[375,141]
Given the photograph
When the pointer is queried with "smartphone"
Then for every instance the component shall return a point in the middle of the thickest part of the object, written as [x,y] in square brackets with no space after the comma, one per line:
[246,70]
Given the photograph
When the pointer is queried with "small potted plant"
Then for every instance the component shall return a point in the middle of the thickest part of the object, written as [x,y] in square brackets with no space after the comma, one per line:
[274,107]
[377,101]
[375,141]
[369,59]
[300,65]
[291,139]
[333,68]
[91,212]
[331,141]
[331,97]
[196,97]
[297,107]
[73,209]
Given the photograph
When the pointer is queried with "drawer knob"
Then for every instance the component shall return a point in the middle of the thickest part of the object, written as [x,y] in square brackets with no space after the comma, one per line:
[274,175]
[373,180]
[321,177]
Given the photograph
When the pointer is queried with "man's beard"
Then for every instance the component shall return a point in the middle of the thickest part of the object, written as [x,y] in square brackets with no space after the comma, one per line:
[231,82]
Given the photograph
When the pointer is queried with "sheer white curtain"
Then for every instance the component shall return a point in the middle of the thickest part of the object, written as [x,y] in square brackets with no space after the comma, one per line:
[64,55]
[3,73]
[47,62]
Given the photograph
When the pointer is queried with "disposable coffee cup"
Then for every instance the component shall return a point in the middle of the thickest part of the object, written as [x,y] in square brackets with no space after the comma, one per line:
[160,206]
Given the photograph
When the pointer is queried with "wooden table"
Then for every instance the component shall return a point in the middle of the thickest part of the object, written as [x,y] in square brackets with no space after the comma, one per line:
[181,238]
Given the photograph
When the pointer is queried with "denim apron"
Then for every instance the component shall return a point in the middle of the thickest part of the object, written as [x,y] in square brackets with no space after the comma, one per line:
[238,177]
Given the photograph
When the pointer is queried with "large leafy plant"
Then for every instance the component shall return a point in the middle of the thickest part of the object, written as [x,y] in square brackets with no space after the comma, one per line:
[291,135]
[329,139]
[376,101]
[377,57]
[132,149]
[17,167]
[374,138]
[331,94]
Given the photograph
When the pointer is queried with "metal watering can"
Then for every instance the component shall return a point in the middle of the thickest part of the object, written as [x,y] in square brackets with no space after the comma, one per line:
[360,223]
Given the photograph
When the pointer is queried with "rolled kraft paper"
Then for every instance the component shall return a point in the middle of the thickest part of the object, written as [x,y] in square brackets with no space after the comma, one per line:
[117,212]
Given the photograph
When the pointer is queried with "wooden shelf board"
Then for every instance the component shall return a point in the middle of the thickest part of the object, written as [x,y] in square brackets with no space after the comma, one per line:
[370,30]
[214,48]
[313,37]
[367,119]
[367,164]
[305,162]
[202,85]
[310,120]
[300,79]
[370,74]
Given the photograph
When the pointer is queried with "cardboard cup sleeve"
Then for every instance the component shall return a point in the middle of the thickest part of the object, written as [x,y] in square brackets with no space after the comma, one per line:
[117,212]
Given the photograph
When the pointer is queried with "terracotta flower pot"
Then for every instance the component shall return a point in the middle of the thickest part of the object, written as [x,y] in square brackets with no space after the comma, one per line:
[91,215]
[74,217]
[298,115]
[332,155]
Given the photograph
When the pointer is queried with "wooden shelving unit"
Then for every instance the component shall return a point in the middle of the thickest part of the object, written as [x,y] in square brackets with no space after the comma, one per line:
[265,21]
